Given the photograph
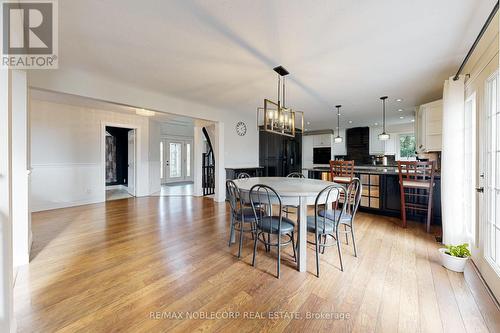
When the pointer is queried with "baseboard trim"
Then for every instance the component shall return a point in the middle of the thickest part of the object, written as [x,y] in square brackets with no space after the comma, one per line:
[488,290]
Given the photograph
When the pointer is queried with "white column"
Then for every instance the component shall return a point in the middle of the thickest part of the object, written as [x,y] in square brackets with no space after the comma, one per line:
[21,215]
[220,170]
[197,161]
[6,270]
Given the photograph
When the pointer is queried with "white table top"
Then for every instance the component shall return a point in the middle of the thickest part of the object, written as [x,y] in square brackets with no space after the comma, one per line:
[286,187]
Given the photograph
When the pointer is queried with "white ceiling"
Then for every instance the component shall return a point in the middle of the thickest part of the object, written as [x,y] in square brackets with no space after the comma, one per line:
[221,53]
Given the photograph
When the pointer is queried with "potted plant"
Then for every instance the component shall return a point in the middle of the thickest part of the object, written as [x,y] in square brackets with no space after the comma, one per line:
[454,257]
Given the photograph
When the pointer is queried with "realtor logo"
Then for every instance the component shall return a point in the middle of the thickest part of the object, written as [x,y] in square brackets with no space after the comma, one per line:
[29,34]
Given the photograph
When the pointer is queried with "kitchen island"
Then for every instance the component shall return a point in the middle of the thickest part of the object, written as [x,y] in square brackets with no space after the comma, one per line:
[381,193]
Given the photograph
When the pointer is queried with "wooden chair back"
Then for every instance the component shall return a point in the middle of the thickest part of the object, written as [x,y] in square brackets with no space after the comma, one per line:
[416,172]
[342,169]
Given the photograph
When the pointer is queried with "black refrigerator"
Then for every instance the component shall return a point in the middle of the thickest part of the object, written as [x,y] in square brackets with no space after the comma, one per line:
[280,155]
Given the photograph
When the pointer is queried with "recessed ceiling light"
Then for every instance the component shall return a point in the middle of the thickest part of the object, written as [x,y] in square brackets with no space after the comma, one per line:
[401,117]
[400,110]
[144,112]
[350,121]
[399,99]
[376,124]
[306,130]
[413,120]
[308,123]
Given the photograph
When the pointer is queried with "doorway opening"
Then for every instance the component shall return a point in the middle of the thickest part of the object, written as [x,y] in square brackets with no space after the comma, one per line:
[120,162]
[176,166]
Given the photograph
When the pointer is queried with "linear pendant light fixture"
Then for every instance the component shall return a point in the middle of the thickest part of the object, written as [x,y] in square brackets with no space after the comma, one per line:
[338,138]
[277,118]
[383,136]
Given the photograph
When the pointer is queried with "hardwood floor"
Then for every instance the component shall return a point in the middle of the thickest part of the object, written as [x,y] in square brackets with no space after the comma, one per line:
[140,265]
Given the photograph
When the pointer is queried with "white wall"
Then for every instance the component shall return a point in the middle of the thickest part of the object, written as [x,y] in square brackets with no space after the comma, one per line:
[238,150]
[67,154]
[21,214]
[154,156]
[170,129]
[7,323]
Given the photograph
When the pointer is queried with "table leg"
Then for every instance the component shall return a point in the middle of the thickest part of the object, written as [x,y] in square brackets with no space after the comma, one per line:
[302,253]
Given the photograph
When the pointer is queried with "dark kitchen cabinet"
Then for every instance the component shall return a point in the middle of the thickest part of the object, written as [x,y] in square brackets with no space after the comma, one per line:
[280,155]
[358,144]
[392,200]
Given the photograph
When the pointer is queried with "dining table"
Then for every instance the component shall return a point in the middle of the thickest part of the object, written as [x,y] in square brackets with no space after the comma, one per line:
[300,192]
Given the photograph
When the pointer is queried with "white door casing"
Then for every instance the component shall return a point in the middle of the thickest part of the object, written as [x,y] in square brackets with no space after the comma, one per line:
[131,163]
[487,258]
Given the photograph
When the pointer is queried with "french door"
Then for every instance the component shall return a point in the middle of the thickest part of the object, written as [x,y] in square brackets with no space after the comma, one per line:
[176,160]
[489,187]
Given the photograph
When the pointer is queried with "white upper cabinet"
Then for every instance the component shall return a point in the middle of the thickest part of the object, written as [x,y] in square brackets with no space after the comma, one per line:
[322,140]
[429,126]
[307,151]
[377,147]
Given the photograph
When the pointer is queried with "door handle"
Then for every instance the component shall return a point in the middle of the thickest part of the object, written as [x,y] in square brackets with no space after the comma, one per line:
[480,189]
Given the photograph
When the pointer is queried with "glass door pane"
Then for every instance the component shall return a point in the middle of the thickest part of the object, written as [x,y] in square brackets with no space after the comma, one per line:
[162,162]
[492,188]
[175,159]
[188,160]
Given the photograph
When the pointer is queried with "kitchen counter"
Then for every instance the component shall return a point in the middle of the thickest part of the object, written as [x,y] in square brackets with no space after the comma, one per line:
[367,169]
[381,191]
[253,171]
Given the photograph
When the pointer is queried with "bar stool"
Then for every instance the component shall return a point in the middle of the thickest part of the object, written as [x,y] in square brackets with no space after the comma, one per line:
[342,172]
[416,183]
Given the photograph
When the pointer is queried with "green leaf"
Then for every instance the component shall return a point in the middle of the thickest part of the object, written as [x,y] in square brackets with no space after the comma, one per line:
[461,251]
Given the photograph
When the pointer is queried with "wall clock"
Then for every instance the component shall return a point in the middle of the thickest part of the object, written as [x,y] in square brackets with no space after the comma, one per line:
[241,128]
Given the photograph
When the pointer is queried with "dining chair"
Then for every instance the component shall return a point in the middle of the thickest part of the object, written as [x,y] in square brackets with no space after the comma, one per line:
[345,212]
[242,215]
[296,175]
[269,224]
[290,209]
[341,171]
[416,182]
[325,226]
[243,175]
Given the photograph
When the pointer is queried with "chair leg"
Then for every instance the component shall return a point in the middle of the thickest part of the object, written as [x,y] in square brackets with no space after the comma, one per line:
[241,239]
[255,248]
[353,241]
[324,242]
[316,243]
[403,207]
[231,232]
[279,255]
[429,211]
[346,238]
[268,247]
[340,251]
[293,246]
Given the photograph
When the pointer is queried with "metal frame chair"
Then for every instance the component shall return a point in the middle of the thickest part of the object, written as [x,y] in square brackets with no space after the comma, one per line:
[241,214]
[269,224]
[243,175]
[296,175]
[344,216]
[290,209]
